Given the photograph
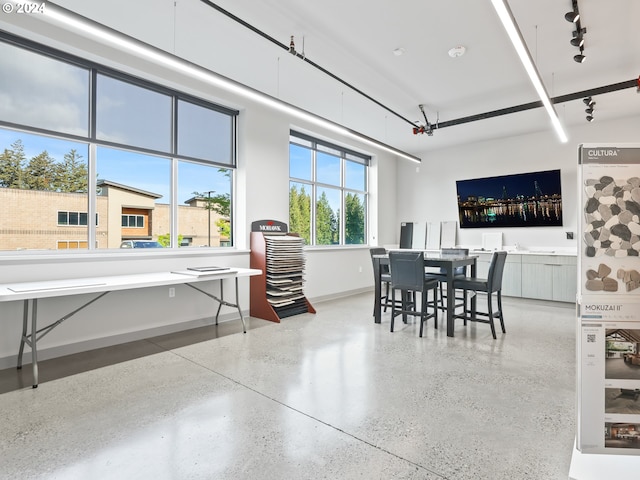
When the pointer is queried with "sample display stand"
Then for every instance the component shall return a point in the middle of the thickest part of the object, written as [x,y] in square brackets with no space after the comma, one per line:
[608,311]
[278,292]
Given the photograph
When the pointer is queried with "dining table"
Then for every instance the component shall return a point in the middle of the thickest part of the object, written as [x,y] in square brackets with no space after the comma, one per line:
[447,262]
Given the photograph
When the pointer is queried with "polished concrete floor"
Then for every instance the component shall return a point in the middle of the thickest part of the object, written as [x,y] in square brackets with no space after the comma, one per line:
[325,396]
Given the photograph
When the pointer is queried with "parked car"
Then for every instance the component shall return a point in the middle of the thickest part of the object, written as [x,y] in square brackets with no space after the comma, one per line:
[140,244]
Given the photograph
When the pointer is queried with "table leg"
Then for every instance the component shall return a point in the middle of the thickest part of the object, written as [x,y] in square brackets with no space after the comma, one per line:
[34,341]
[221,301]
[23,338]
[244,327]
[474,299]
[451,300]
[377,306]
[222,298]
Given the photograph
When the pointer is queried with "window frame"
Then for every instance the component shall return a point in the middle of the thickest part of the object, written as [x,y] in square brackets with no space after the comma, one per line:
[137,218]
[344,154]
[92,142]
[79,224]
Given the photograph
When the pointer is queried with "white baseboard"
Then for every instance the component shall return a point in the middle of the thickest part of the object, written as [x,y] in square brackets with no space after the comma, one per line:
[70,349]
[333,296]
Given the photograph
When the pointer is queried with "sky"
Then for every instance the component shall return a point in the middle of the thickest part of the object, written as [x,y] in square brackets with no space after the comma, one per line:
[127,113]
[518,184]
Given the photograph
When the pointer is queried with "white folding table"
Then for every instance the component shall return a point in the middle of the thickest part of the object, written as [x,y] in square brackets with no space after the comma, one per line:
[31,292]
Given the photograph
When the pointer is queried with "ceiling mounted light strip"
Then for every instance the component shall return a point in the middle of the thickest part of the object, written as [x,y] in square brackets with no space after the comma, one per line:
[77,23]
[509,23]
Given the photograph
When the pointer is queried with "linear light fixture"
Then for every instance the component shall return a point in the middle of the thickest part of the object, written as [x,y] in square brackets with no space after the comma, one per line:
[509,23]
[95,30]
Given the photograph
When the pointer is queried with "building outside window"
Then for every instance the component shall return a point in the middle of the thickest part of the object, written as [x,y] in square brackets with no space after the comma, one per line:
[327,192]
[73,218]
[164,161]
[133,221]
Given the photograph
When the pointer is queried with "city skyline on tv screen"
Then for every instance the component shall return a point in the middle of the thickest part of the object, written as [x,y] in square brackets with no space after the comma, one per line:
[521,200]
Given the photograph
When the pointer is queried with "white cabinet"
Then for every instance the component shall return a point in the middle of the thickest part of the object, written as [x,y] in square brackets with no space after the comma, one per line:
[512,276]
[549,277]
[544,277]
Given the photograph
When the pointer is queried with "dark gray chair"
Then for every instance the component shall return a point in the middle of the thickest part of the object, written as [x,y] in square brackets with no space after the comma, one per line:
[442,275]
[385,277]
[407,275]
[490,285]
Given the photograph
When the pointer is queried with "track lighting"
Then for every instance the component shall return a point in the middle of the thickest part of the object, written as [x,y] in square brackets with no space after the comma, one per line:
[577,41]
[578,35]
[589,102]
[572,17]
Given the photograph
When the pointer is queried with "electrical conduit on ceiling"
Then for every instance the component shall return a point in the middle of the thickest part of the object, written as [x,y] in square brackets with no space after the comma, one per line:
[459,121]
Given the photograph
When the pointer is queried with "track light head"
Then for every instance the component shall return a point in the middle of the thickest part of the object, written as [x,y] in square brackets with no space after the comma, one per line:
[577,41]
[588,110]
[587,100]
[590,118]
[579,58]
[572,17]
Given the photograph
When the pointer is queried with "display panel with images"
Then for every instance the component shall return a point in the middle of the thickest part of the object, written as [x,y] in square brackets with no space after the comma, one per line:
[622,435]
[521,200]
[622,353]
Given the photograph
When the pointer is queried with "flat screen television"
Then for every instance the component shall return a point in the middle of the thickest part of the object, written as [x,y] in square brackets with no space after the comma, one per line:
[521,200]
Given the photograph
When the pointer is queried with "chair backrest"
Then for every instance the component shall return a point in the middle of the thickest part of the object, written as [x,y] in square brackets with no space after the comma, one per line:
[379,251]
[496,268]
[455,251]
[407,270]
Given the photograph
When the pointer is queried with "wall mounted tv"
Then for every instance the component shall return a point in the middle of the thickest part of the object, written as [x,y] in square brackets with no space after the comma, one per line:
[522,200]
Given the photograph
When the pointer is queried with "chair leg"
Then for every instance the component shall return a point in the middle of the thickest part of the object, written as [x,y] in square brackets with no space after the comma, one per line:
[490,310]
[386,297]
[464,307]
[500,311]
[406,301]
[423,312]
[435,307]
[393,306]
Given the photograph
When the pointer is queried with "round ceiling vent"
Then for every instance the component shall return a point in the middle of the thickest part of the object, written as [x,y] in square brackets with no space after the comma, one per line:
[457,51]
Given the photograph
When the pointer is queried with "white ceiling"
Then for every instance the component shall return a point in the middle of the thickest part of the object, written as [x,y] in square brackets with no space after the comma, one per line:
[354,40]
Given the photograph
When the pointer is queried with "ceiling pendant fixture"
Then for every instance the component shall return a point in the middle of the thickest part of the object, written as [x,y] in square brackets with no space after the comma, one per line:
[572,16]
[589,102]
[578,34]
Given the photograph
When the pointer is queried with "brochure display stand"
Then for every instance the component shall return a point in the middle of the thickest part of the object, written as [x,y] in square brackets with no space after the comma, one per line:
[278,292]
[608,333]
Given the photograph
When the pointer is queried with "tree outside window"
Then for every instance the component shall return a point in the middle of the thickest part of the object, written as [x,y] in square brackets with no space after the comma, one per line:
[327,193]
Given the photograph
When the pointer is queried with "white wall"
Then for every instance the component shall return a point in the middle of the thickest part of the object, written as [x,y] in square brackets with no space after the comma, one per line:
[430,194]
[262,191]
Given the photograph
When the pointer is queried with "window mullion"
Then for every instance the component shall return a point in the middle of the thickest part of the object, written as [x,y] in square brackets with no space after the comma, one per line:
[92,193]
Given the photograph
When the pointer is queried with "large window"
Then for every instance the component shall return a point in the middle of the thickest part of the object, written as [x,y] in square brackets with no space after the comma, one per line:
[129,114]
[152,163]
[327,192]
